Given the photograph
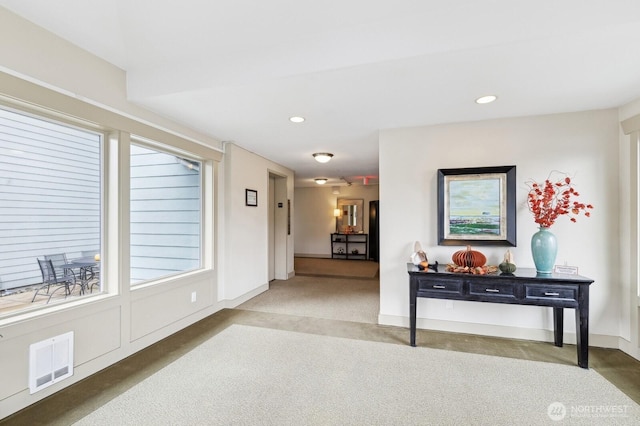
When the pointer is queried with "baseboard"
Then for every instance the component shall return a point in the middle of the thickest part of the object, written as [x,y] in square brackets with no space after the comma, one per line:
[627,347]
[232,303]
[599,340]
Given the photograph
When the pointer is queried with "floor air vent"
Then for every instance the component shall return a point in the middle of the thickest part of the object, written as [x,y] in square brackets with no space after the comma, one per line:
[50,361]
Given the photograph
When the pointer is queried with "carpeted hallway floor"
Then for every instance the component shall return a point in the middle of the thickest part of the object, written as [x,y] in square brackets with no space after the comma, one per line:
[261,376]
[342,299]
[77,401]
[335,267]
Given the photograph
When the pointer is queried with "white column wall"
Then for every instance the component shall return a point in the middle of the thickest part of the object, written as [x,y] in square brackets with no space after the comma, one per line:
[630,229]
[246,239]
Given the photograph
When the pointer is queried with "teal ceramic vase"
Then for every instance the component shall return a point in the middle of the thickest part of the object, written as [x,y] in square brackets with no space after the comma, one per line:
[544,249]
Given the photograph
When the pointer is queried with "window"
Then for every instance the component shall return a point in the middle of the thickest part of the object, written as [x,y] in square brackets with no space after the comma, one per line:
[50,198]
[166,214]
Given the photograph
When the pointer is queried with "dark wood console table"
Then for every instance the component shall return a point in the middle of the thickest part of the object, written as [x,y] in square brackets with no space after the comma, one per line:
[524,287]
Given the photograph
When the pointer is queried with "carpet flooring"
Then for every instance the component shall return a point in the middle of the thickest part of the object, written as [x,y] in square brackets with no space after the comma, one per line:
[252,375]
[321,297]
[335,267]
[83,398]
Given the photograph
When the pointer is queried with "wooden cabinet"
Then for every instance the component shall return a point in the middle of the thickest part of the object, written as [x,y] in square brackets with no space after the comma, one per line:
[349,246]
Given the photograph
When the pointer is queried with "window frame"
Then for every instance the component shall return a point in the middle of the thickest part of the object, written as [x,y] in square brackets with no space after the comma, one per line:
[136,140]
[60,119]
[117,124]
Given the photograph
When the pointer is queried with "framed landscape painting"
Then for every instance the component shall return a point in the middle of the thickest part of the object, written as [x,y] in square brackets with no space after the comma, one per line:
[477,206]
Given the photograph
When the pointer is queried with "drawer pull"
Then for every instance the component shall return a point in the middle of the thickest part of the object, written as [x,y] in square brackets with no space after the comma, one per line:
[547,293]
[439,286]
[492,290]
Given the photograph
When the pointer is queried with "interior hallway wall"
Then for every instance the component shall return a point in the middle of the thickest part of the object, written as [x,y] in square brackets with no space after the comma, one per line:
[583,144]
[314,221]
[246,229]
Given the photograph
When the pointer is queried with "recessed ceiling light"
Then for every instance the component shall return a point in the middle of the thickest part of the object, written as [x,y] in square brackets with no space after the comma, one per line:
[296,119]
[323,157]
[321,181]
[486,99]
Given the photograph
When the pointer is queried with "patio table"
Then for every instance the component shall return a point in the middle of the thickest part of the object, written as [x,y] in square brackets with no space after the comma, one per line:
[85,268]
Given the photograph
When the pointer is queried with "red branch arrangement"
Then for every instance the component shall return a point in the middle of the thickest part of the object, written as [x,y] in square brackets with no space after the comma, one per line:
[552,199]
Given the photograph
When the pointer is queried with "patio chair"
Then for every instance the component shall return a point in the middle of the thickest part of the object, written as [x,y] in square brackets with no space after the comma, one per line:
[59,260]
[49,279]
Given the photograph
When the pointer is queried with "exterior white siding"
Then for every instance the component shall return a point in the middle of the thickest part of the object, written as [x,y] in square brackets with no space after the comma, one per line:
[165,214]
[49,194]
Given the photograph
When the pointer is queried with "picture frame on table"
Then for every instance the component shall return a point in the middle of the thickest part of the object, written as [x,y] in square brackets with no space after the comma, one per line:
[251,197]
[477,206]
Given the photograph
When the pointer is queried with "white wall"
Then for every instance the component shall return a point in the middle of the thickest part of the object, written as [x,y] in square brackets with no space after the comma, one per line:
[36,55]
[314,220]
[628,243]
[582,144]
[246,228]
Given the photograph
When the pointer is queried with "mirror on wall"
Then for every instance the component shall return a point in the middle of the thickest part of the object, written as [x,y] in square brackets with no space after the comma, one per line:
[351,216]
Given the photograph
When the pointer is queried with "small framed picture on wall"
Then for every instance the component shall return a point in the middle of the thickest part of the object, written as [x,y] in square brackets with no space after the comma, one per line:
[251,197]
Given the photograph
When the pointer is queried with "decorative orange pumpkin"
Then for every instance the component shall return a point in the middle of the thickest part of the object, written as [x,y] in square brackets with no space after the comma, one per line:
[468,257]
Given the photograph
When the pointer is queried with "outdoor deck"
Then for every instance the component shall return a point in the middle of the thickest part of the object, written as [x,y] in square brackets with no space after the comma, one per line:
[20,299]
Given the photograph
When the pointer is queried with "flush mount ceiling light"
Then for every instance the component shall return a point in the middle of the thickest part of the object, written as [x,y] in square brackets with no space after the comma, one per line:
[486,99]
[322,157]
[321,181]
[296,119]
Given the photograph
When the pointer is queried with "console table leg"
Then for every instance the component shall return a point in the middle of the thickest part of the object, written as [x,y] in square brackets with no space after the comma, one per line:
[558,326]
[412,313]
[582,336]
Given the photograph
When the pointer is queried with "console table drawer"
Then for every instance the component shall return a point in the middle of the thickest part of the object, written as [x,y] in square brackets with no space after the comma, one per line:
[440,286]
[551,293]
[496,290]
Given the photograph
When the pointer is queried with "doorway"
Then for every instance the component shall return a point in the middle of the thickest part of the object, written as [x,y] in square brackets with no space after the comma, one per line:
[277,227]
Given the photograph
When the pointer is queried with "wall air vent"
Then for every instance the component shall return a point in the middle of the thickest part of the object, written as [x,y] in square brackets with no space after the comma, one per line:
[50,361]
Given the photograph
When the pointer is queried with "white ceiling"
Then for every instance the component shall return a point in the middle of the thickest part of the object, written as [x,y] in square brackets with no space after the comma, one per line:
[238,69]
